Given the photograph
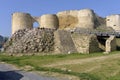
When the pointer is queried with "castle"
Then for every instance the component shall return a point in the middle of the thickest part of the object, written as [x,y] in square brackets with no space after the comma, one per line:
[64,24]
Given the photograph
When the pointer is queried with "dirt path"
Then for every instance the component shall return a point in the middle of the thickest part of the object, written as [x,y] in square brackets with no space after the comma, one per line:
[82,61]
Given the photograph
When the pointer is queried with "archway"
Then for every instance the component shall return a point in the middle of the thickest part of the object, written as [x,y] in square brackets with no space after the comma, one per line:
[102,41]
[36,24]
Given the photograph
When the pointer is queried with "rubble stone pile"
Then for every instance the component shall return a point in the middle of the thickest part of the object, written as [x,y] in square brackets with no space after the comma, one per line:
[31,40]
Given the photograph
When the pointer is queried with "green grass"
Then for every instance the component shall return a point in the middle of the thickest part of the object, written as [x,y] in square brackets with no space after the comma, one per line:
[77,70]
[42,60]
[82,76]
[108,70]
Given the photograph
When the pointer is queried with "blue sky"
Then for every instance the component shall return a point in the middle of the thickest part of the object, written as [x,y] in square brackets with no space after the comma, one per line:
[39,7]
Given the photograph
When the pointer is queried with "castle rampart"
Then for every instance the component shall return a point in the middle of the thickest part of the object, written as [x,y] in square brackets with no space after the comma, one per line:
[65,23]
[62,20]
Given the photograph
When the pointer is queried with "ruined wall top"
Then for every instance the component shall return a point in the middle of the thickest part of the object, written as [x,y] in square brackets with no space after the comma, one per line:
[20,13]
[85,18]
[70,12]
[74,12]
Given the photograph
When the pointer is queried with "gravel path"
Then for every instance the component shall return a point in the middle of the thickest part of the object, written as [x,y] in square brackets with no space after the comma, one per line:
[8,72]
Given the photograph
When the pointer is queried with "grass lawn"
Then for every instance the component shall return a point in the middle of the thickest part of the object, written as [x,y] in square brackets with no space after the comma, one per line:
[107,68]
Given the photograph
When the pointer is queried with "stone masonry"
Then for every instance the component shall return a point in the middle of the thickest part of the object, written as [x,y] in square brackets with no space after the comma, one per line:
[63,42]
[111,44]
[85,43]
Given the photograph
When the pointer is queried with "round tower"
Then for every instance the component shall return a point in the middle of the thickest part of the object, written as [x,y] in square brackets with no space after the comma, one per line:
[113,21]
[86,19]
[21,21]
[49,21]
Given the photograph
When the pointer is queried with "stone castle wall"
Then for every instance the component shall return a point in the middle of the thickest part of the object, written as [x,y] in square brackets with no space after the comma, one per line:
[85,43]
[61,41]
[40,40]
[85,18]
